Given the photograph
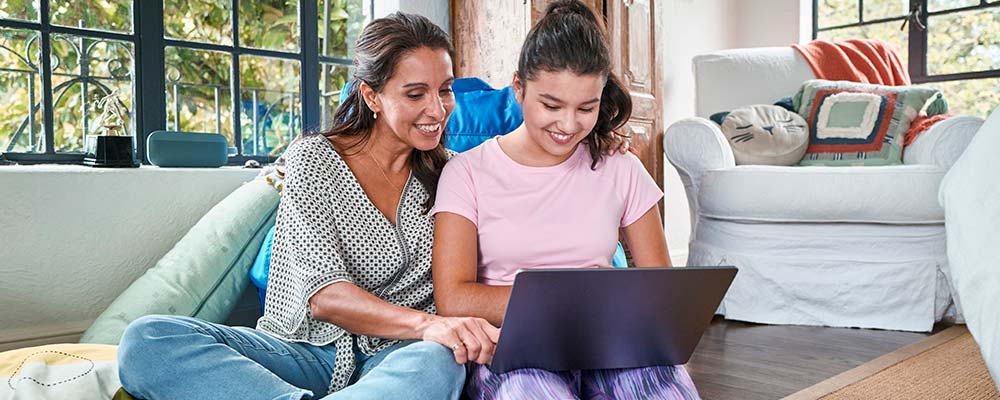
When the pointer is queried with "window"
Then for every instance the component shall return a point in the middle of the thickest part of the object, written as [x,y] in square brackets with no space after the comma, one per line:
[256,71]
[951,45]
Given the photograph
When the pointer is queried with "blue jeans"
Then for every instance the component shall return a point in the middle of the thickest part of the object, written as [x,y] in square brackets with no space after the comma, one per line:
[169,357]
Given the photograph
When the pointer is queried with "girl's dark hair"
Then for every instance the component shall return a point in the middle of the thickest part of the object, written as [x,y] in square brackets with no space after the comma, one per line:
[383,43]
[571,37]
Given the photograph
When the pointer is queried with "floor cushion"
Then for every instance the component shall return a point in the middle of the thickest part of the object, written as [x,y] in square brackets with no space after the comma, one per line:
[60,371]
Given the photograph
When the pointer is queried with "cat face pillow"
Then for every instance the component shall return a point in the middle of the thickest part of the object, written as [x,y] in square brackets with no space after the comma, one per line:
[766,135]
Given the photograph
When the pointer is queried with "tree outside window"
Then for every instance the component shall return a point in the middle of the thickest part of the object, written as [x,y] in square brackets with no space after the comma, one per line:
[951,45]
[206,63]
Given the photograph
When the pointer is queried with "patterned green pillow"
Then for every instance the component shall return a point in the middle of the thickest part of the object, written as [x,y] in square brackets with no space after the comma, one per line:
[860,124]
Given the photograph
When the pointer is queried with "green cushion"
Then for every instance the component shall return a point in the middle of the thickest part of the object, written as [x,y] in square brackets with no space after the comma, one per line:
[205,273]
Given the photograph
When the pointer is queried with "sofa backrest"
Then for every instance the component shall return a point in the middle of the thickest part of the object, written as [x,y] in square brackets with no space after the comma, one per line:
[730,79]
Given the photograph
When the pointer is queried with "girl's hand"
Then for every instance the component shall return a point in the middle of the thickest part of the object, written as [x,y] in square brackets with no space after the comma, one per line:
[471,339]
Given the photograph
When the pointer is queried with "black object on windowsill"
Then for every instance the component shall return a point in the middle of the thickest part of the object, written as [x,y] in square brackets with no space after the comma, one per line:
[110,152]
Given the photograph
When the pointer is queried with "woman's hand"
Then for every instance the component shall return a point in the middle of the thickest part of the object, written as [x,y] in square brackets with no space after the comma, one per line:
[471,339]
[621,143]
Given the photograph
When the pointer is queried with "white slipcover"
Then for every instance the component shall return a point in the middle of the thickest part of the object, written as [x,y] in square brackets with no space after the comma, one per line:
[907,194]
[831,246]
[970,195]
[730,79]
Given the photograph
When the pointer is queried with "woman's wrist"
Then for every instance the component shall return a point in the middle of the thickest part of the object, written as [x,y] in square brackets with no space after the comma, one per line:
[423,322]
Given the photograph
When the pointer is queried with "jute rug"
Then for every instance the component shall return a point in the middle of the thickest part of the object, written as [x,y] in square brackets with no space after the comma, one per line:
[947,365]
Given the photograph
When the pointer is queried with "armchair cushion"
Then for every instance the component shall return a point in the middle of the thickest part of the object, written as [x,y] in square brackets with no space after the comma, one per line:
[860,124]
[903,194]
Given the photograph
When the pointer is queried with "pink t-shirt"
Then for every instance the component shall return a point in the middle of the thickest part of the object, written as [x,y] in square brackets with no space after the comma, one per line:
[566,215]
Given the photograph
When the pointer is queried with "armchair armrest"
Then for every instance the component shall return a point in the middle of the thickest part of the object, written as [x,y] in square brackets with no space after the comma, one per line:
[943,143]
[693,146]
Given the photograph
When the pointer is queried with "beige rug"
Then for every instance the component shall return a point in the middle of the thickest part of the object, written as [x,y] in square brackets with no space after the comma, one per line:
[947,365]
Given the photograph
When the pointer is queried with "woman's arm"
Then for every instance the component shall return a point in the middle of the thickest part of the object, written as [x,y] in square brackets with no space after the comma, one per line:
[359,312]
[646,240]
[362,313]
[456,291]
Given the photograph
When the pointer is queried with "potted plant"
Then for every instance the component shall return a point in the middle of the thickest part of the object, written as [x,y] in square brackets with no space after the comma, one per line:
[114,147]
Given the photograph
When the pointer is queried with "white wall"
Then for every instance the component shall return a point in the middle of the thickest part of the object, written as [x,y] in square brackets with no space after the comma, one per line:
[686,28]
[72,238]
[759,23]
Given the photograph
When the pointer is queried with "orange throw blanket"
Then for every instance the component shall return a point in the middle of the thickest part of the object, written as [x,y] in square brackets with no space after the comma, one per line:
[922,124]
[866,61]
[856,60]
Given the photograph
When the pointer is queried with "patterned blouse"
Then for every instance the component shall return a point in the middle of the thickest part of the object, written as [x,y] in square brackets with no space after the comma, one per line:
[329,231]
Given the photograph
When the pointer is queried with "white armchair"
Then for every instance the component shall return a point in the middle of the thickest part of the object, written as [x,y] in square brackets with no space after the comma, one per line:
[832,246]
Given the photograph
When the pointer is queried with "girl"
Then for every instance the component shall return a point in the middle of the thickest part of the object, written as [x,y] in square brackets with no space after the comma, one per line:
[546,195]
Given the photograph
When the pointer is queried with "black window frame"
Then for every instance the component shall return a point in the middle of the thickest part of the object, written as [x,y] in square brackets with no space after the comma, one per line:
[917,38]
[149,82]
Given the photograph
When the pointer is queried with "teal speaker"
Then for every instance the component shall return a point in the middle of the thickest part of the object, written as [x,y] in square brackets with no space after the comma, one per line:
[184,149]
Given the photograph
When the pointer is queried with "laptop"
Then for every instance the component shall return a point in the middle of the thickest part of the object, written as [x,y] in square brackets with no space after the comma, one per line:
[578,318]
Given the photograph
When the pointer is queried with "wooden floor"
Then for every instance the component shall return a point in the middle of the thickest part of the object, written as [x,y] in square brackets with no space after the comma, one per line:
[737,360]
[742,361]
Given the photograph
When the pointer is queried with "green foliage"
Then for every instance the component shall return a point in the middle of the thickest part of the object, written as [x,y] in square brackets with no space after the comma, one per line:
[837,12]
[14,84]
[879,9]
[200,79]
[270,24]
[208,21]
[963,42]
[111,15]
[19,9]
[976,97]
[959,42]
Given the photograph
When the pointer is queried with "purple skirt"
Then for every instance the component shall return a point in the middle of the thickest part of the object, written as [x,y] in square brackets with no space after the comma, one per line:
[630,383]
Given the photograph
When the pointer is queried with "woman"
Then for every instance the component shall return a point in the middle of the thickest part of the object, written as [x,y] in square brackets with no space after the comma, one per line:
[349,311]
[545,196]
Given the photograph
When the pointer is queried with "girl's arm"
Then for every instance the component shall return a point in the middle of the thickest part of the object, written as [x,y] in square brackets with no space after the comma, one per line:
[456,291]
[646,240]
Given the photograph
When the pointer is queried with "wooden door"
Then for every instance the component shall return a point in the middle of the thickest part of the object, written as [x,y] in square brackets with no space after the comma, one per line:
[487,35]
[538,8]
[631,27]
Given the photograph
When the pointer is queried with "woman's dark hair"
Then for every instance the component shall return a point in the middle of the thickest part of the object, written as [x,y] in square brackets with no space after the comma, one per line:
[383,43]
[571,37]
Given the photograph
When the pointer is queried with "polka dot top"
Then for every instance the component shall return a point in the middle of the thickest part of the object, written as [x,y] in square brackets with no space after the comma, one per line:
[328,231]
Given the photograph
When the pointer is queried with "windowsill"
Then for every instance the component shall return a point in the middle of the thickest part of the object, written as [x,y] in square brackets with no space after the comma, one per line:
[145,169]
